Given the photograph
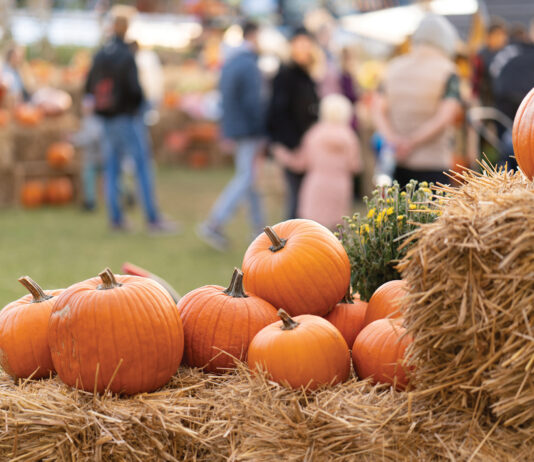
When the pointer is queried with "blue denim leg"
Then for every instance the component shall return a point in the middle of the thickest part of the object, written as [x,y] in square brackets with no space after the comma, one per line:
[241,187]
[89,178]
[112,149]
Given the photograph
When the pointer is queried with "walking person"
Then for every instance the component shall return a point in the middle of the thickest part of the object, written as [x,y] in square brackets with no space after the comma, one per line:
[293,108]
[243,122]
[113,81]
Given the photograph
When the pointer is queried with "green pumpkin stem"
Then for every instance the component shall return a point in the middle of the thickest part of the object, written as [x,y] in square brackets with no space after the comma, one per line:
[34,289]
[288,322]
[278,242]
[348,298]
[235,289]
[108,280]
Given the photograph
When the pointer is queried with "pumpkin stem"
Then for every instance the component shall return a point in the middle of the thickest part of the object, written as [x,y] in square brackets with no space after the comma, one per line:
[235,289]
[288,322]
[108,280]
[34,289]
[348,298]
[278,243]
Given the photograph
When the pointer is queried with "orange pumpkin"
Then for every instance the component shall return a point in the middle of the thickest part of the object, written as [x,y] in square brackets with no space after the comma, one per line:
[348,316]
[60,154]
[297,265]
[4,117]
[198,159]
[523,135]
[204,132]
[24,350]
[32,194]
[121,333]
[379,352]
[306,351]
[220,323]
[26,114]
[386,301]
[59,191]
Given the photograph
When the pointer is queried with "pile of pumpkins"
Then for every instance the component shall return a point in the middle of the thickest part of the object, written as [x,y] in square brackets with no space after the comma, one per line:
[57,190]
[281,314]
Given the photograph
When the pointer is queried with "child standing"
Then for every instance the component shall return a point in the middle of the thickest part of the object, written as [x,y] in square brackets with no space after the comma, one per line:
[329,155]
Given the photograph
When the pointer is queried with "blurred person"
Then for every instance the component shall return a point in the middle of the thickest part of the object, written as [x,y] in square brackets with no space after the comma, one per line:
[11,76]
[114,83]
[329,154]
[88,138]
[496,40]
[293,107]
[418,103]
[348,85]
[243,122]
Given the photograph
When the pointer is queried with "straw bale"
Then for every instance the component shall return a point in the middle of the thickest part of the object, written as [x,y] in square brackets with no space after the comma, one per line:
[240,417]
[471,310]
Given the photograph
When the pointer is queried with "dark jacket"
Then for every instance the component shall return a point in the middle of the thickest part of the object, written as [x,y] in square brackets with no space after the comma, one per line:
[294,106]
[241,91]
[113,80]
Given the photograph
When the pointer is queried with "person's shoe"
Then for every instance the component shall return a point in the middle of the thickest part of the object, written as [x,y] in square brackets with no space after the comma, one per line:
[88,206]
[122,227]
[213,237]
[164,228]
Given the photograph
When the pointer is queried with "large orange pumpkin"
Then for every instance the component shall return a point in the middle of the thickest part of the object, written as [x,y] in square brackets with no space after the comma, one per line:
[379,352]
[121,333]
[60,154]
[26,114]
[220,323]
[32,194]
[306,351]
[297,265]
[349,317]
[24,350]
[523,135]
[386,301]
[59,191]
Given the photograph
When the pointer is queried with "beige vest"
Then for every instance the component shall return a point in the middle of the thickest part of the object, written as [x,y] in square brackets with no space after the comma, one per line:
[414,85]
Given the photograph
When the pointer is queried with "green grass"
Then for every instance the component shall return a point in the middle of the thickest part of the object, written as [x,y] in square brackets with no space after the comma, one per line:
[61,246]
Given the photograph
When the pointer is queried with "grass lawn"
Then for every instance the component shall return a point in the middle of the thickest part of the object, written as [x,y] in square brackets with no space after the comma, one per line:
[60,246]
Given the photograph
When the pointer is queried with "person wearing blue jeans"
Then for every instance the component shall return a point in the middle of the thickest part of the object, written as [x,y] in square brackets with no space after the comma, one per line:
[113,83]
[243,122]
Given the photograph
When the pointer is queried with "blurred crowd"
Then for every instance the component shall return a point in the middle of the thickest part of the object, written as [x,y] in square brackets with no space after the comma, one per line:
[304,116]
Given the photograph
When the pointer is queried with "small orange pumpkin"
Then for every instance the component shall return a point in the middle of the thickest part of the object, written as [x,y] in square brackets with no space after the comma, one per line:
[121,333]
[523,135]
[386,301]
[349,317]
[379,352]
[198,159]
[26,114]
[4,117]
[297,265]
[60,154]
[24,350]
[306,351]
[59,191]
[220,323]
[32,194]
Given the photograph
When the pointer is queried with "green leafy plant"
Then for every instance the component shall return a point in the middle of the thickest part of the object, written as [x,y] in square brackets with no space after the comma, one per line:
[373,240]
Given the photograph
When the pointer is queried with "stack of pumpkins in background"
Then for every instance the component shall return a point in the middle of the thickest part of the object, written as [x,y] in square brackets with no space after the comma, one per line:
[281,313]
[57,190]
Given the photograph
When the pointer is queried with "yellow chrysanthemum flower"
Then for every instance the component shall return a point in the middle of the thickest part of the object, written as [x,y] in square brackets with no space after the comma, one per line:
[371,213]
[390,211]
[413,206]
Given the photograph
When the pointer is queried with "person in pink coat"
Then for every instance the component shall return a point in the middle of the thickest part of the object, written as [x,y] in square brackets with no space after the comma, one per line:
[329,155]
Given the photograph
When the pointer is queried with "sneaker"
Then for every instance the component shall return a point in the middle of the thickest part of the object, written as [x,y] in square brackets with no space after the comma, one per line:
[213,237]
[123,227]
[164,228]
[88,206]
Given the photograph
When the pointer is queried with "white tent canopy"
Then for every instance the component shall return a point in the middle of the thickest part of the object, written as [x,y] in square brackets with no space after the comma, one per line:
[394,25]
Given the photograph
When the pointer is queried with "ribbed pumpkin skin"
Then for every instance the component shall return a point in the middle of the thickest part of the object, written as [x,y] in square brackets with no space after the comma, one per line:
[215,322]
[386,301]
[24,337]
[523,135]
[137,322]
[308,276]
[349,319]
[312,354]
[378,352]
